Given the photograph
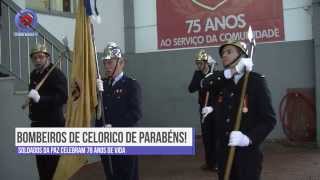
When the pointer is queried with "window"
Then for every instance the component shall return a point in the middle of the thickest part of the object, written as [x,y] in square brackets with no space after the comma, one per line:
[54,7]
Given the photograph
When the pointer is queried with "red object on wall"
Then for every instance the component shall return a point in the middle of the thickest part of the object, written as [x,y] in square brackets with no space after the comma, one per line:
[195,23]
[298,116]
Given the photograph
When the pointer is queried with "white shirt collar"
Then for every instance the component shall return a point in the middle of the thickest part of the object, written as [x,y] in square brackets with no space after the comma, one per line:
[117,78]
[237,77]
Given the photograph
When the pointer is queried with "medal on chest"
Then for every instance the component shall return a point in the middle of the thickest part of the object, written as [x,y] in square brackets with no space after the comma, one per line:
[118,92]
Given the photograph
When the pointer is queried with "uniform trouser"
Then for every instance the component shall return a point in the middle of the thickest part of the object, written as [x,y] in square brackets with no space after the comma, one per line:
[235,174]
[247,165]
[124,167]
[209,141]
[46,165]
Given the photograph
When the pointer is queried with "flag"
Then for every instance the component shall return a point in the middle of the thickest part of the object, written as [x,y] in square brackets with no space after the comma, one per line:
[82,92]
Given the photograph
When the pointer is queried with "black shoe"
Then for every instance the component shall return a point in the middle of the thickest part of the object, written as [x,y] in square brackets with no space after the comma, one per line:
[206,167]
[214,169]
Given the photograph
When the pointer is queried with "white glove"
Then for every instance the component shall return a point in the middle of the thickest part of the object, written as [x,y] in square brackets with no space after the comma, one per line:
[237,138]
[34,95]
[244,63]
[227,73]
[108,125]
[206,110]
[211,61]
[100,85]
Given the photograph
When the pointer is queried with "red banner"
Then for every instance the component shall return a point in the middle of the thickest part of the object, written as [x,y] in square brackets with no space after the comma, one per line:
[196,23]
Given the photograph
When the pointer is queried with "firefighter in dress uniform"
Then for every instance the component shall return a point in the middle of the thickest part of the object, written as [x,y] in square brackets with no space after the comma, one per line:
[122,108]
[205,67]
[258,117]
[46,105]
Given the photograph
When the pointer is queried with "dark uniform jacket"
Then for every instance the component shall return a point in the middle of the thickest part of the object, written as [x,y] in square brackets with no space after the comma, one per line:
[122,102]
[122,108]
[257,123]
[53,95]
[208,131]
[195,85]
[213,83]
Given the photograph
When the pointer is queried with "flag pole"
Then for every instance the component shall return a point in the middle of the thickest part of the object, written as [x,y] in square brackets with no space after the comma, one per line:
[99,110]
[239,113]
[80,109]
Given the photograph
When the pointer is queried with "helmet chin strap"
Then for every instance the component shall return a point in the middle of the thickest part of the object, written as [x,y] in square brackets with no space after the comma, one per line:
[114,70]
[205,68]
[233,62]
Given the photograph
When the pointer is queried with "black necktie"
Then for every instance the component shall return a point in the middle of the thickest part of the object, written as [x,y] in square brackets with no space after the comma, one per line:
[110,81]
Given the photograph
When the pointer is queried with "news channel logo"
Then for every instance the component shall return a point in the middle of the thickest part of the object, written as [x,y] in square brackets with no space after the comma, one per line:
[26,21]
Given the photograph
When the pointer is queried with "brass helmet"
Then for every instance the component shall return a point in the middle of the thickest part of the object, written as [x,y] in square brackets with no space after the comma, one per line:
[202,55]
[39,48]
[111,51]
[241,45]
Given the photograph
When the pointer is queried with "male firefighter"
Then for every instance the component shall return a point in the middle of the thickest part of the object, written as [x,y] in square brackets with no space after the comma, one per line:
[258,117]
[204,67]
[46,104]
[122,108]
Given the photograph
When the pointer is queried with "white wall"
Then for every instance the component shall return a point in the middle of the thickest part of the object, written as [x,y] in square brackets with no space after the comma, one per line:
[297,17]
[110,29]
[145,18]
[58,26]
[297,22]
[112,25]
